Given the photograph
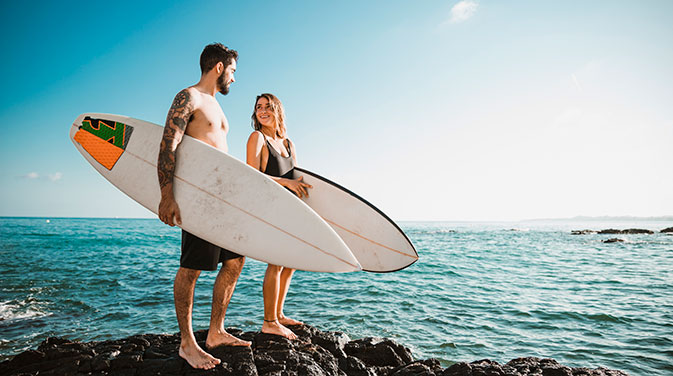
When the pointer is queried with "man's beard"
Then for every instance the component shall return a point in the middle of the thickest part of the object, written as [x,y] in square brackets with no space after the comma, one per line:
[222,86]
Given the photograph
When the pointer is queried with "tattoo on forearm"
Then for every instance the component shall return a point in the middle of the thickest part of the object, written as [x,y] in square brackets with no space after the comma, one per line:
[176,123]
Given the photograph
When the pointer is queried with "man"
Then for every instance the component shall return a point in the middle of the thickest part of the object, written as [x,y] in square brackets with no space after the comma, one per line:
[195,112]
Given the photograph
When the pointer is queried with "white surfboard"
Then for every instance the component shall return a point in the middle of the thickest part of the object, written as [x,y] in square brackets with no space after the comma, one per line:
[375,240]
[221,199]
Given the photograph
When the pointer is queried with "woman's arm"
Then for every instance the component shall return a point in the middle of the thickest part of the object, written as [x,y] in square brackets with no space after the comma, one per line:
[254,149]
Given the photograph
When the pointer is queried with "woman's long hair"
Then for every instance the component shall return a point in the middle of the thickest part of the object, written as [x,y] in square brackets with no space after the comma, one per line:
[277,111]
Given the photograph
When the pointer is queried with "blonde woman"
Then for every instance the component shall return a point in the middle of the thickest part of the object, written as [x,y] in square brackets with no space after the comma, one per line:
[271,152]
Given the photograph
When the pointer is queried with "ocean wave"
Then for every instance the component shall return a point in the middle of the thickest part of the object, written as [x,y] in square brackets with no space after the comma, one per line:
[22,309]
[579,317]
[40,234]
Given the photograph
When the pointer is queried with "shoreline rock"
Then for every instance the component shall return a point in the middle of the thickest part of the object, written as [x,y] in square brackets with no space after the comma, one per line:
[613,240]
[612,231]
[627,231]
[582,232]
[314,353]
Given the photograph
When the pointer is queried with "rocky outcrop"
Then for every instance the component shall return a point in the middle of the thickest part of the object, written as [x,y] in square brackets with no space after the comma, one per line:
[627,231]
[612,231]
[315,353]
[613,240]
[524,366]
[667,230]
[637,231]
[582,232]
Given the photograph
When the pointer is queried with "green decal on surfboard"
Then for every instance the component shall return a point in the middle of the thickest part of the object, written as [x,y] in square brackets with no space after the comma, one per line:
[114,132]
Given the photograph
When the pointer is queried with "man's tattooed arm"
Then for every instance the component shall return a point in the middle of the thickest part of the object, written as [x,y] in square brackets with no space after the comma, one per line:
[176,123]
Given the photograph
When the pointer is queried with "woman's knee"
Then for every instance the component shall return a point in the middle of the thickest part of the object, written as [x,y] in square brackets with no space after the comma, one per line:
[274,268]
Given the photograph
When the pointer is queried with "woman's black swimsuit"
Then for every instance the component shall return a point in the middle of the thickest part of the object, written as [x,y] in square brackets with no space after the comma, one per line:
[277,165]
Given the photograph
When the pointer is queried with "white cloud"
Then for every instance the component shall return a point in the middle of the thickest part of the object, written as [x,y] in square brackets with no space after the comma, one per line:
[35,176]
[463,11]
[577,82]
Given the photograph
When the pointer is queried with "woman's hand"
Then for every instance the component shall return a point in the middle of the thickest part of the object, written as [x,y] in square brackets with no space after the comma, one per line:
[297,186]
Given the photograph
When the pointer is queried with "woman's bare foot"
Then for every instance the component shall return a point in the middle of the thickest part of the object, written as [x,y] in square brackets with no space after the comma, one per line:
[288,321]
[274,327]
[222,338]
[197,358]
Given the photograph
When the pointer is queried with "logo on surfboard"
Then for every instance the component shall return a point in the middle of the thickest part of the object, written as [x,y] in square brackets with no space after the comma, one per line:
[105,140]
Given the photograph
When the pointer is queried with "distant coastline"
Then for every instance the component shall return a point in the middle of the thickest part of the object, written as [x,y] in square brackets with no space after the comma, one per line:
[579,218]
[603,219]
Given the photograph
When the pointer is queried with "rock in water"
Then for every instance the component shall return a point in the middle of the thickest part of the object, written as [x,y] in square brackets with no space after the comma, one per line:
[582,232]
[637,231]
[315,353]
[613,231]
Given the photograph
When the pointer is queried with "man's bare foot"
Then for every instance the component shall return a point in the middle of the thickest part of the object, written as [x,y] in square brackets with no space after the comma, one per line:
[197,358]
[288,321]
[222,338]
[274,327]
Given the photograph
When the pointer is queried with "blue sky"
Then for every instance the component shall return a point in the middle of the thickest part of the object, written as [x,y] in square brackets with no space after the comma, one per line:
[433,110]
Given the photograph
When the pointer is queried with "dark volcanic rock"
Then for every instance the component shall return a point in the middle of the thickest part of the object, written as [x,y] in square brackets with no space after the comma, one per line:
[332,341]
[314,353]
[428,367]
[379,352]
[627,231]
[667,230]
[613,240]
[637,231]
[582,232]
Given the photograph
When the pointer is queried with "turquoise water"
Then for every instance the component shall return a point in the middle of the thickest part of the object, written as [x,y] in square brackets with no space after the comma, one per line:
[478,291]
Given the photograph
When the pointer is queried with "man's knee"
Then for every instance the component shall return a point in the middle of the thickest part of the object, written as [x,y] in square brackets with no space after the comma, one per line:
[235,264]
[187,275]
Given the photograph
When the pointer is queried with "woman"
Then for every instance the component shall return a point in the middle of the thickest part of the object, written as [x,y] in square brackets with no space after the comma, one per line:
[270,151]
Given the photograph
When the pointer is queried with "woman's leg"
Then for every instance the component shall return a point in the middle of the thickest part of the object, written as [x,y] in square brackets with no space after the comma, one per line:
[284,286]
[270,290]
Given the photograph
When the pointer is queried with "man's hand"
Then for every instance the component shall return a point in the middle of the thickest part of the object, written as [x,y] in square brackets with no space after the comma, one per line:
[169,210]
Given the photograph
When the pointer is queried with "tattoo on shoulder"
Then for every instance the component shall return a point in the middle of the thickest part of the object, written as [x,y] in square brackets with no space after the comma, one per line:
[181,111]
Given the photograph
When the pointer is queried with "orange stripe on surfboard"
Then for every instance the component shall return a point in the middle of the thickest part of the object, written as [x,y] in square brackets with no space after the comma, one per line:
[102,151]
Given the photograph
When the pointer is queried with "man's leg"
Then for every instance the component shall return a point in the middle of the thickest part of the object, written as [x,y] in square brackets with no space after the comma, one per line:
[285,279]
[183,295]
[225,283]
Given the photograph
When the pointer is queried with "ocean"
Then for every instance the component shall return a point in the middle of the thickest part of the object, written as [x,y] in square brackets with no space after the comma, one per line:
[479,290]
